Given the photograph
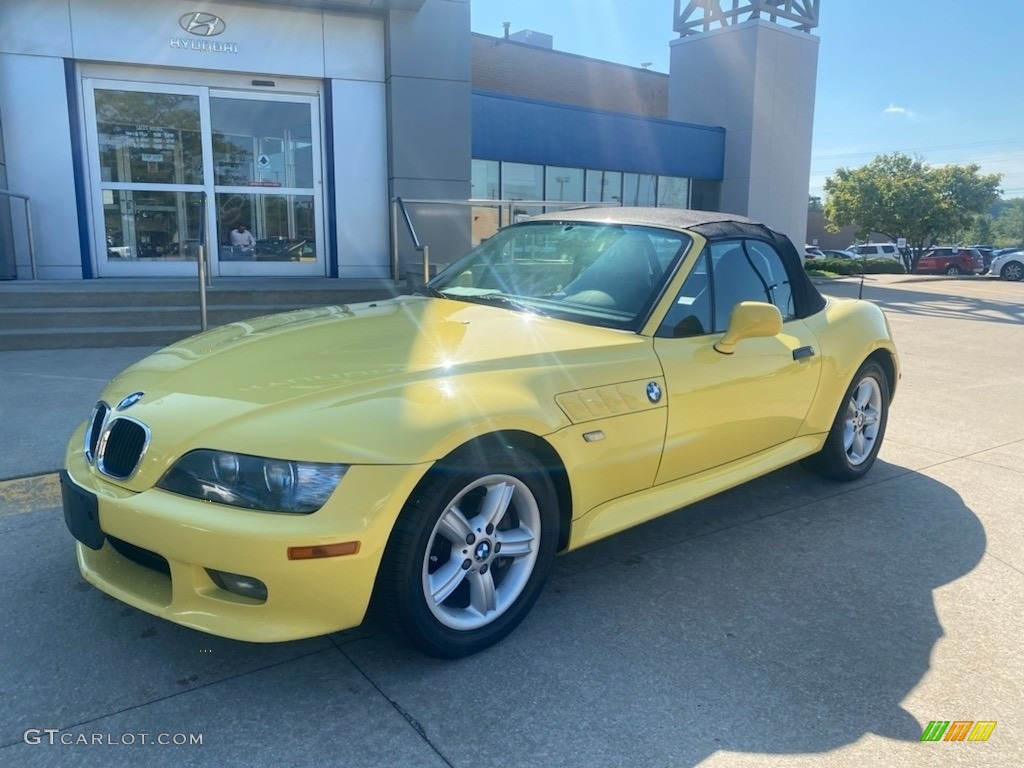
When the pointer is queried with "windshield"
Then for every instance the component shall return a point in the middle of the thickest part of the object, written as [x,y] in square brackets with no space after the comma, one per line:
[599,274]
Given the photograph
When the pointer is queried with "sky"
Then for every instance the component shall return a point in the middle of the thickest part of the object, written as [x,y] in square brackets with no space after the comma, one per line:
[938,79]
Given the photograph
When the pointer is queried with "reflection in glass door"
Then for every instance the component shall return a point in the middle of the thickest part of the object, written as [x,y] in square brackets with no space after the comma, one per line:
[150,168]
[168,157]
[265,156]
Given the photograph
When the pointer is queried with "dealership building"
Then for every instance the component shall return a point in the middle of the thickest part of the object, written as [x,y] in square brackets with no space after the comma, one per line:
[140,131]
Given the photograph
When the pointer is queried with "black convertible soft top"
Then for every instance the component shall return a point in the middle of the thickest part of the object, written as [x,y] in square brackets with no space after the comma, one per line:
[713,226]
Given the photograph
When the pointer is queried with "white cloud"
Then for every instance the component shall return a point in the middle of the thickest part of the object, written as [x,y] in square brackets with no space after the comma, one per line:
[892,109]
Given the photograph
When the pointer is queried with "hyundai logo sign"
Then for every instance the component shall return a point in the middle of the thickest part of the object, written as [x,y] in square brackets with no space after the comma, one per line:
[202,24]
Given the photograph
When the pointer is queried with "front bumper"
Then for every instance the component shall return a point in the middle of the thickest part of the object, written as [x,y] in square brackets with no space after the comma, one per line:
[305,598]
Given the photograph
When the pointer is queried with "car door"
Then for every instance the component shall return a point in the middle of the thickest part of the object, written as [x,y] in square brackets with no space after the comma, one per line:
[724,407]
[927,262]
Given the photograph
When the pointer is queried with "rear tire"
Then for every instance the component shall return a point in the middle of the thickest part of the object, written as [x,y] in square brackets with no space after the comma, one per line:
[470,551]
[1012,271]
[856,435]
[953,270]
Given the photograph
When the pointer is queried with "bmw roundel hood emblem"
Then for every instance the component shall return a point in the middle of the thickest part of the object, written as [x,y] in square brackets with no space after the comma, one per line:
[653,392]
[132,399]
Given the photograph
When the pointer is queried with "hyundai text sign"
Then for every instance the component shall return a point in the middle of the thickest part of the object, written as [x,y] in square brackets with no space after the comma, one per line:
[202,26]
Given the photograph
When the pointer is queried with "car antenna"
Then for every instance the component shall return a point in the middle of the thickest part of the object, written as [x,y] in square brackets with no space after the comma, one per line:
[863,269]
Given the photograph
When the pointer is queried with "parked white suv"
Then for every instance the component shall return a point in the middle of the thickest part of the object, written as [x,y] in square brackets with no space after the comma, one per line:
[877,251]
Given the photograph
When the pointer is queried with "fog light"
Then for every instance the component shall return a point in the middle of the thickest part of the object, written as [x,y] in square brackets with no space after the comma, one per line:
[246,586]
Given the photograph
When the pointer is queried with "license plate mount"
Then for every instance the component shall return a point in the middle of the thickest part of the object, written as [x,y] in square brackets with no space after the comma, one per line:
[81,513]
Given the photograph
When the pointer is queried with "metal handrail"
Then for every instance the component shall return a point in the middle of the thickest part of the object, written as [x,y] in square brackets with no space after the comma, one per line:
[202,271]
[31,237]
[398,206]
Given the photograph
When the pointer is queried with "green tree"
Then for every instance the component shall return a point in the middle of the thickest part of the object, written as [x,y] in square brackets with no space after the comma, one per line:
[1009,225]
[902,196]
[981,231]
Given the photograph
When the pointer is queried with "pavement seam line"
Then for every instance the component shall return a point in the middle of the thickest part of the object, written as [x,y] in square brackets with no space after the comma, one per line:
[413,722]
[174,695]
[1011,566]
[688,539]
[995,466]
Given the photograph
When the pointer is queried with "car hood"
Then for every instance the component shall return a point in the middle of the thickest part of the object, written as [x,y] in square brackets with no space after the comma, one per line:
[305,384]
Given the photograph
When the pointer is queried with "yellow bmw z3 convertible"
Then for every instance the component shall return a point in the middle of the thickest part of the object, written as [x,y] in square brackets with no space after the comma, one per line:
[574,375]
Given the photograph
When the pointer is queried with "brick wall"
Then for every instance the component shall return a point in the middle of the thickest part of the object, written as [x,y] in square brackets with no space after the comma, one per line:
[516,69]
[839,240]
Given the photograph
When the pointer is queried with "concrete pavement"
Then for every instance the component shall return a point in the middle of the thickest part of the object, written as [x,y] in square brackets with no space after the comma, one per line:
[790,622]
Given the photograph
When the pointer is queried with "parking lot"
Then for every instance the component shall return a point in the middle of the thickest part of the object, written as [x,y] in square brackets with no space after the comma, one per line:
[791,622]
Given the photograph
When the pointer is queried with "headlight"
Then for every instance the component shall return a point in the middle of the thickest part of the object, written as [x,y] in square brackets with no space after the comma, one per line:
[269,485]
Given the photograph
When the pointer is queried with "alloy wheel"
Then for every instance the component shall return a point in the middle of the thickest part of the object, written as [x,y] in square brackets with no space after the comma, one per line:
[1012,271]
[863,415]
[482,552]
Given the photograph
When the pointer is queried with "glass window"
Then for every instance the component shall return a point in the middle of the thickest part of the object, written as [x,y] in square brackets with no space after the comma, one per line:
[149,138]
[151,225]
[484,183]
[522,182]
[639,189]
[282,227]
[747,271]
[590,273]
[690,314]
[673,192]
[261,143]
[604,187]
[704,194]
[564,184]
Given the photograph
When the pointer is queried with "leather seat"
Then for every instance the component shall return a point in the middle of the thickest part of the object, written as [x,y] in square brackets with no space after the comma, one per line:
[736,280]
[621,278]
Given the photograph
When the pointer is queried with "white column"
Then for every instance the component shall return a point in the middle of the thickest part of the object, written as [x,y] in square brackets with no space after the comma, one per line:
[757,80]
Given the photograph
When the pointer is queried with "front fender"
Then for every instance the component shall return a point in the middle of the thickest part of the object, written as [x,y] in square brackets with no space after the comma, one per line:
[849,331]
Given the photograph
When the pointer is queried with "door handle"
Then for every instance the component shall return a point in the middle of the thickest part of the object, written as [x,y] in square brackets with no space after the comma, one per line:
[802,352]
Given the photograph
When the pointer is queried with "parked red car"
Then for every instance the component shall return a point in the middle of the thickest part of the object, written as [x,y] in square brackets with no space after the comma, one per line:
[951,261]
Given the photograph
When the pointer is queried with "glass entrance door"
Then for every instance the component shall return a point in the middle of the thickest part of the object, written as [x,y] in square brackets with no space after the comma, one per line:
[266,156]
[173,160]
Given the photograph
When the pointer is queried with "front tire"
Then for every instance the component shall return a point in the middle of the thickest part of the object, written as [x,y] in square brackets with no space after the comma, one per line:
[953,270]
[470,552]
[1012,271]
[858,429]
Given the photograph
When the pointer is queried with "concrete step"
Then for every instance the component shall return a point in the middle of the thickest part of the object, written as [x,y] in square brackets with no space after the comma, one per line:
[41,318]
[116,313]
[215,296]
[88,337]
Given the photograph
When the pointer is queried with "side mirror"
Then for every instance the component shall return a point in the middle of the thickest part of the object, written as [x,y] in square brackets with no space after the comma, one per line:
[749,320]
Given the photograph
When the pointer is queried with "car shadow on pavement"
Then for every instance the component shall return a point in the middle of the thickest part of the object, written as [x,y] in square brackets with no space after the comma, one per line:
[934,304]
[790,615]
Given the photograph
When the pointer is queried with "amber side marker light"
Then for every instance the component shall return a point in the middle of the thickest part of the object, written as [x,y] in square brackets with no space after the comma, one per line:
[323,550]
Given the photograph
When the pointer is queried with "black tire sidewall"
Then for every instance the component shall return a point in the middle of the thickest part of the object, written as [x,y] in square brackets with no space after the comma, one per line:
[835,461]
[418,518]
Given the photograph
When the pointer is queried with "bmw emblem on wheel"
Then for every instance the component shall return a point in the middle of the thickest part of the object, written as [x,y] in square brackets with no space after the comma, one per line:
[130,400]
[653,392]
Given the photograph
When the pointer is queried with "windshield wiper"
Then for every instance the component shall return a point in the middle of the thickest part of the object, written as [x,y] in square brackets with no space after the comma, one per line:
[503,299]
[428,290]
